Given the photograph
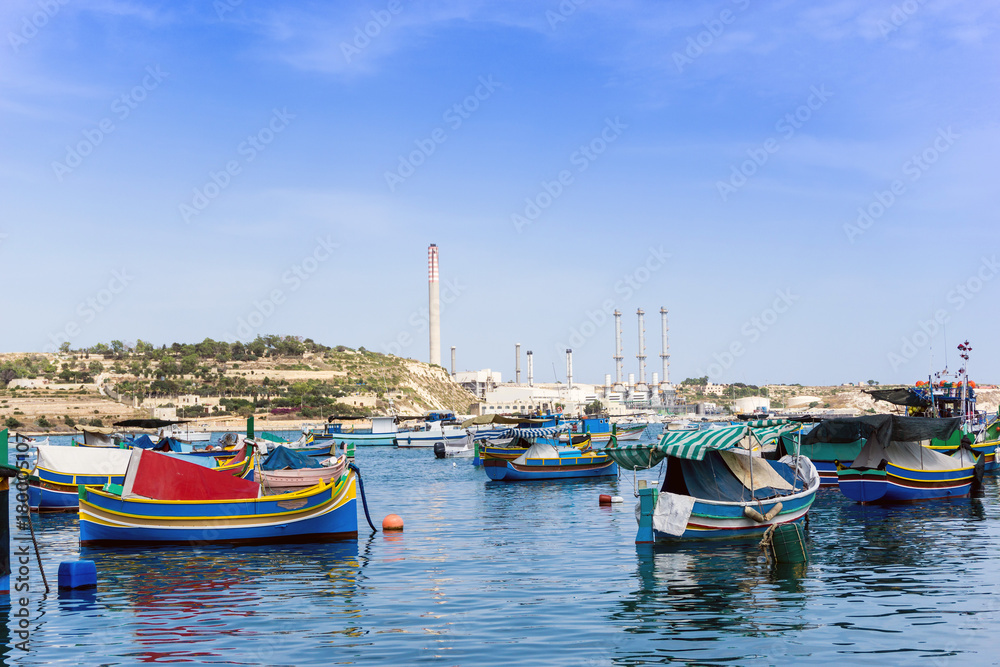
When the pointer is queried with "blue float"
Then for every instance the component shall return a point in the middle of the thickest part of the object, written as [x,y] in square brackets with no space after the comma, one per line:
[77,574]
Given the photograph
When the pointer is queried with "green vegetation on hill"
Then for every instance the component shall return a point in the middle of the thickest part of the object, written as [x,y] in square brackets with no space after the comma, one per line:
[251,376]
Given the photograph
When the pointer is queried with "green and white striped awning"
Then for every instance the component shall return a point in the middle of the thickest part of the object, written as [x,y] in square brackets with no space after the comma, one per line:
[694,445]
[768,435]
[637,456]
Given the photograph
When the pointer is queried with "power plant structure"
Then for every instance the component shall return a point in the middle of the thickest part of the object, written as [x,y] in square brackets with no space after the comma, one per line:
[665,349]
[635,392]
[641,357]
[434,304]
[621,393]
[619,387]
[569,369]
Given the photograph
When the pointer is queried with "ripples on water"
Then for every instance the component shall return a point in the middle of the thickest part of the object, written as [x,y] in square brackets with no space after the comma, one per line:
[490,573]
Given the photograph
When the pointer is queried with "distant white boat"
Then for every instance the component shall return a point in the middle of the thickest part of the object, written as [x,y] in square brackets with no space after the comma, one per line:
[184,434]
[431,433]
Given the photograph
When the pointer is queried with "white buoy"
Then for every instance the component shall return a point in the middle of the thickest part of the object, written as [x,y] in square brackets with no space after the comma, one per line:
[617,499]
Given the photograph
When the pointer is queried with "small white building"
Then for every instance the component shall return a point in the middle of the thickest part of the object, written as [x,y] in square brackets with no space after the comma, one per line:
[169,414]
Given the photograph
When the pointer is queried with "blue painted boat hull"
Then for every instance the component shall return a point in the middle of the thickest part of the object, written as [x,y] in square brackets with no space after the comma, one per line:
[727,522]
[48,499]
[827,472]
[322,513]
[903,485]
[503,470]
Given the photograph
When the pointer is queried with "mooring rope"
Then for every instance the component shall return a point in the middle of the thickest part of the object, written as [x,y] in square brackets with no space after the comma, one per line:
[767,543]
[364,501]
[38,555]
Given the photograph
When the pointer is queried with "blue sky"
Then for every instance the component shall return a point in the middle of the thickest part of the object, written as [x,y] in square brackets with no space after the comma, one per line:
[808,188]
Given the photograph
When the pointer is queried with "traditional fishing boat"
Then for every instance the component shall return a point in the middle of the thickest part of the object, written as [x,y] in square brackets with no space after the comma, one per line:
[285,469]
[59,471]
[601,429]
[950,398]
[827,443]
[514,442]
[545,461]
[715,487]
[98,436]
[166,500]
[893,466]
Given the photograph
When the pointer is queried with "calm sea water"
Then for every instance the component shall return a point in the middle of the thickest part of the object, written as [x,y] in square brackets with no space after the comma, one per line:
[490,573]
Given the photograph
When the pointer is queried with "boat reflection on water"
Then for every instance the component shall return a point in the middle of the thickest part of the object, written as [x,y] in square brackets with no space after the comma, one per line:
[709,602]
[219,602]
[901,535]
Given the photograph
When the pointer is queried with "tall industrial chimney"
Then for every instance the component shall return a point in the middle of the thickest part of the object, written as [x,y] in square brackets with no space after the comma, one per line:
[434,307]
[665,346]
[618,348]
[531,369]
[642,348]
[453,361]
[517,363]
[569,368]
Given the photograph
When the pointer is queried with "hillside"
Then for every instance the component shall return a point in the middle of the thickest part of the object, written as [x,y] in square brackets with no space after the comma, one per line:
[839,397]
[282,379]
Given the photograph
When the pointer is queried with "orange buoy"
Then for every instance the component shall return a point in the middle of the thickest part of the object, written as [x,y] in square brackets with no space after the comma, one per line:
[604,499]
[392,522]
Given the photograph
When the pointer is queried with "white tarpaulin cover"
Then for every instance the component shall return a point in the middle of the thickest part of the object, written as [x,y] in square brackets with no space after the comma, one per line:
[671,513]
[539,450]
[763,475]
[83,460]
[916,456]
